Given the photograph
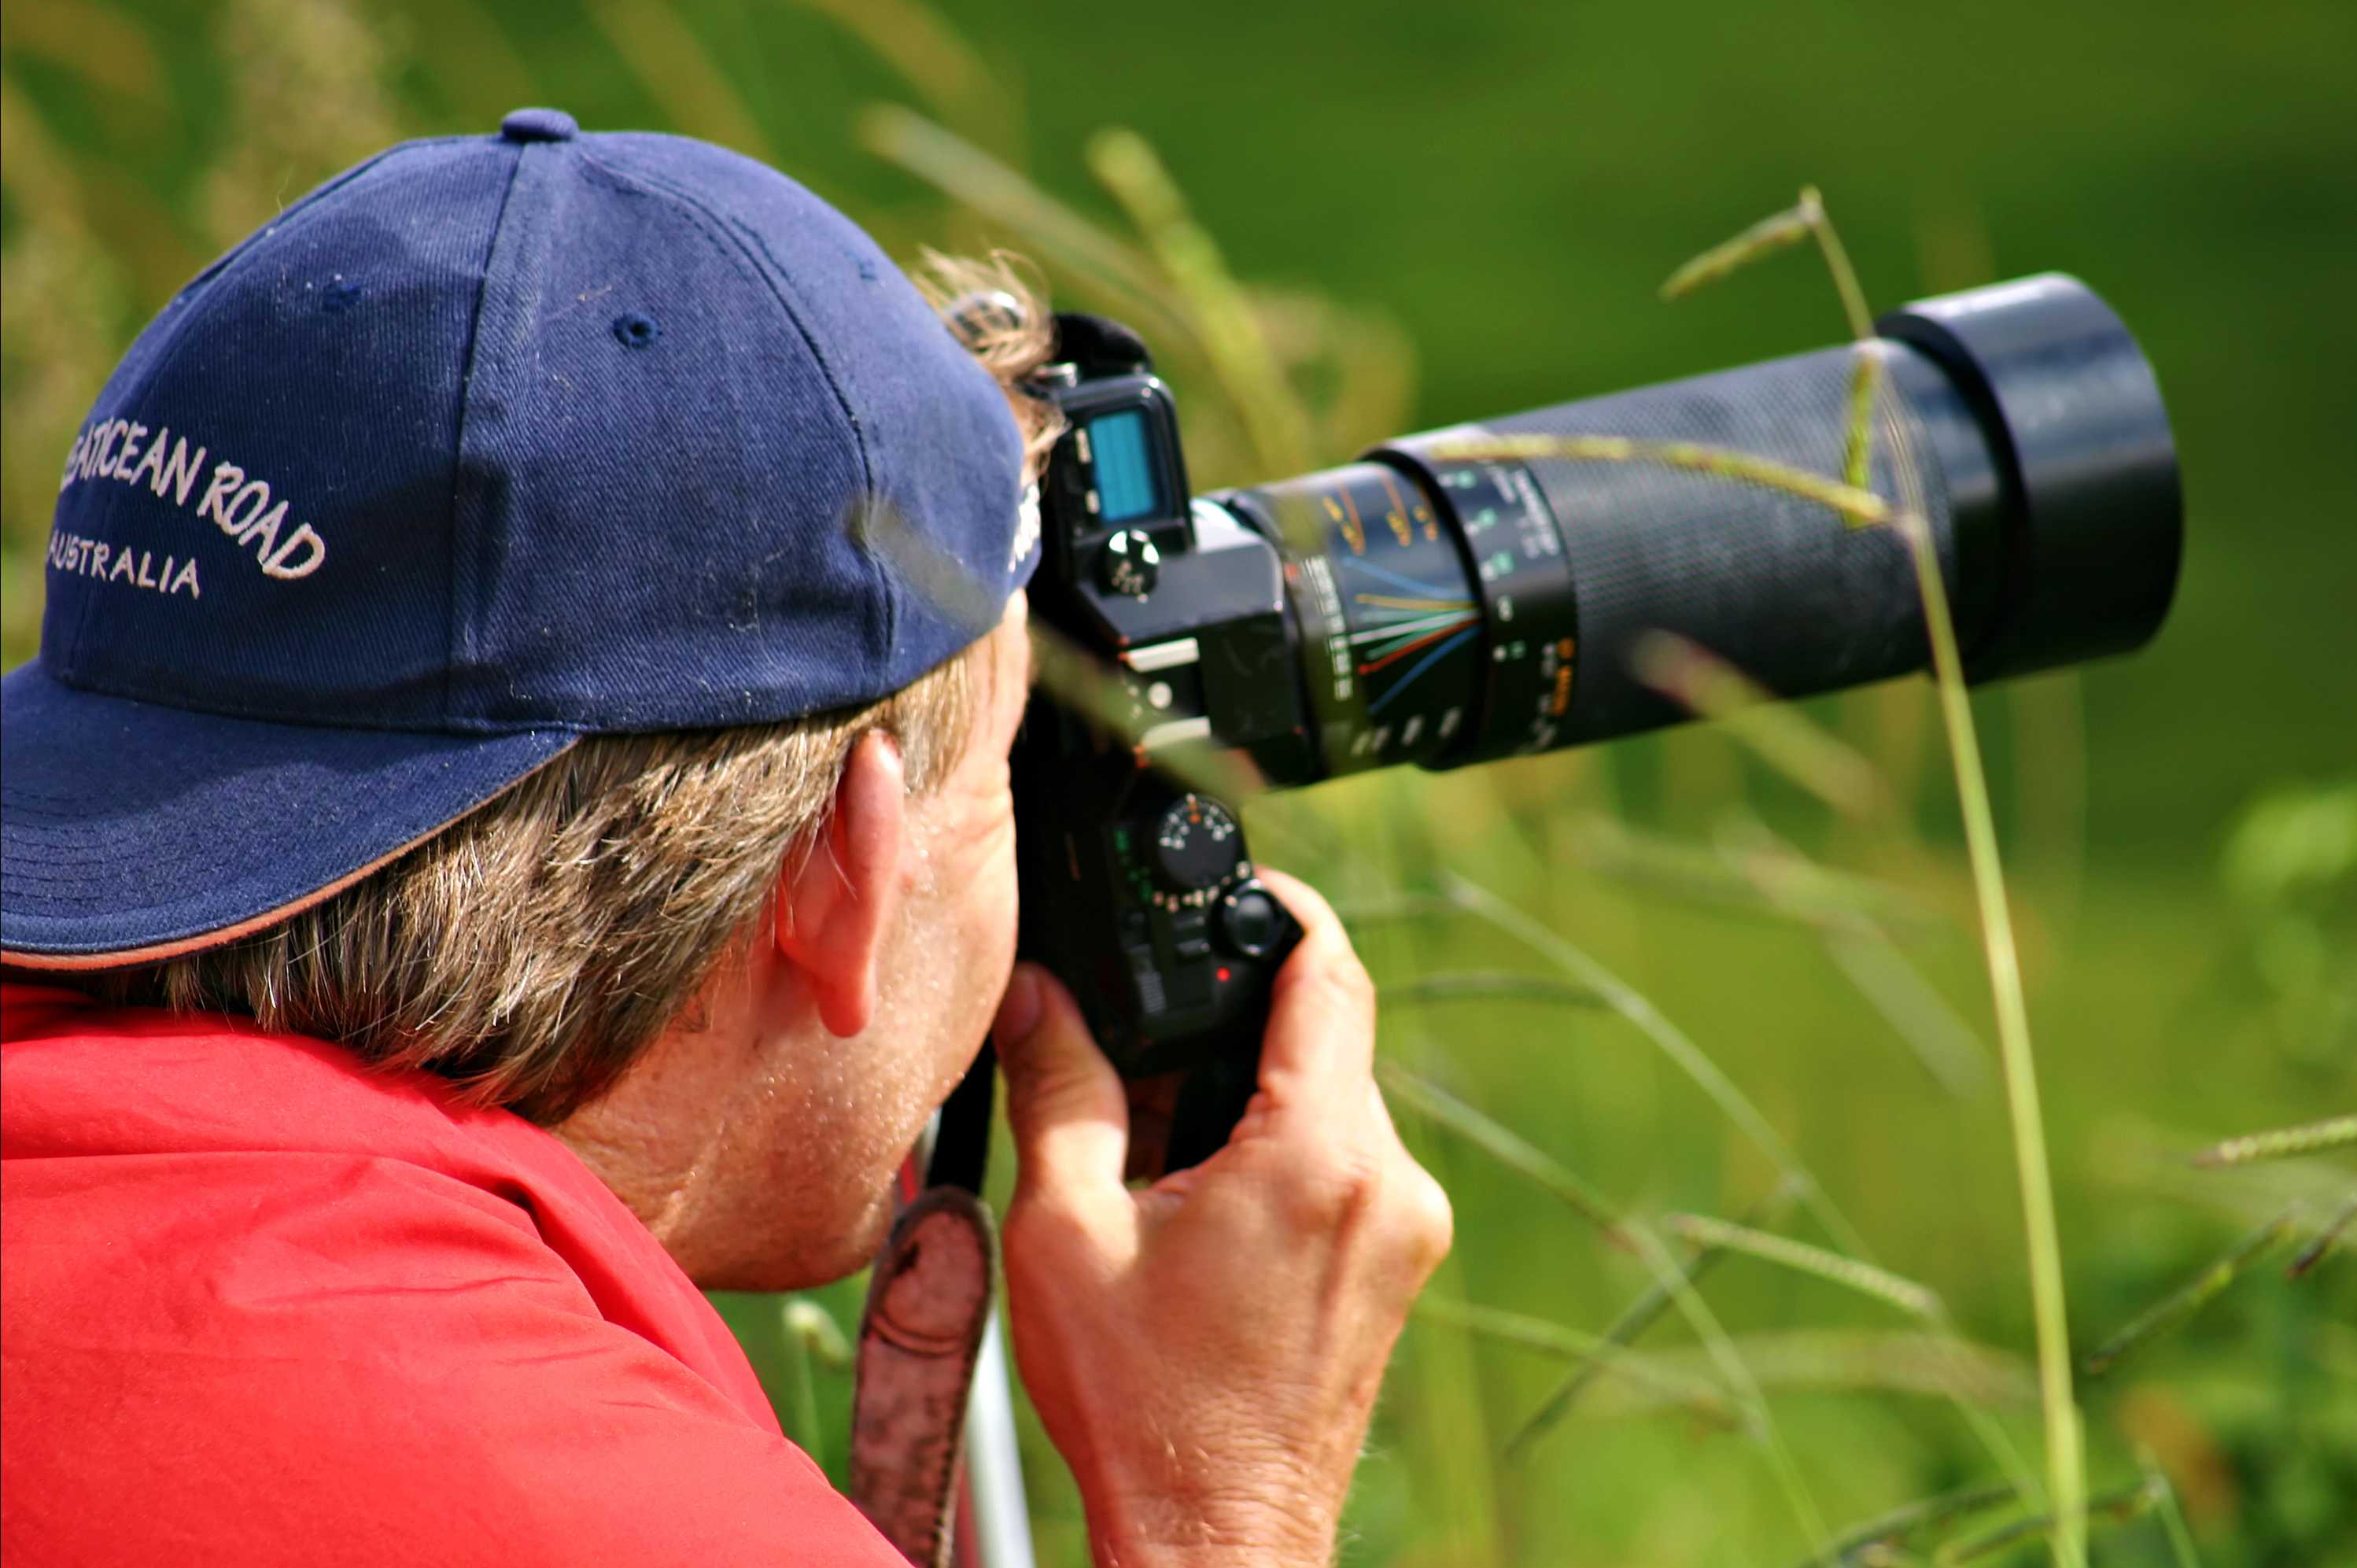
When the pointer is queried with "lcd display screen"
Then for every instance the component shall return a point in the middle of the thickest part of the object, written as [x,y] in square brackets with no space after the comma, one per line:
[1129,481]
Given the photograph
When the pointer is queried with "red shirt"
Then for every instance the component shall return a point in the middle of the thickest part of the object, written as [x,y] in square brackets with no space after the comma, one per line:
[260,1305]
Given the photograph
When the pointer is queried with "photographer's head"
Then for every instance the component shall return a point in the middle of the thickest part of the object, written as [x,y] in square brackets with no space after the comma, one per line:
[476,634]
[758,1136]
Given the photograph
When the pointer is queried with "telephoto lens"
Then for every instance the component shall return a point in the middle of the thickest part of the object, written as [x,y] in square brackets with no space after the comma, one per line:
[1486,590]
[1451,608]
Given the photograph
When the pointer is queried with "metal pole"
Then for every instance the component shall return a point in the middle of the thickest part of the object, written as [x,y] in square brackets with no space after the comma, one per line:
[994,1467]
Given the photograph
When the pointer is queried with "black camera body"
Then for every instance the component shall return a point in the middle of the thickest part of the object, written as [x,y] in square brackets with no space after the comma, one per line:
[1438,604]
[1138,891]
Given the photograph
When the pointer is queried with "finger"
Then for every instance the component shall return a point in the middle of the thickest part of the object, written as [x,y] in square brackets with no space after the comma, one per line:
[1064,1101]
[1319,1051]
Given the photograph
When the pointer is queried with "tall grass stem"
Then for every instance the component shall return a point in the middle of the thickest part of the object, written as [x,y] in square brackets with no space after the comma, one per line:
[2324,1239]
[1672,1041]
[1917,1301]
[2283,1144]
[2128,1503]
[1062,237]
[1437,1105]
[2065,1460]
[1676,1387]
[1891,1529]
[1224,319]
[1640,1315]
[2178,1306]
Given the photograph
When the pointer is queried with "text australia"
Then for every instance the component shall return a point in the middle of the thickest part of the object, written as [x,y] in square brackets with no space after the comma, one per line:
[241,506]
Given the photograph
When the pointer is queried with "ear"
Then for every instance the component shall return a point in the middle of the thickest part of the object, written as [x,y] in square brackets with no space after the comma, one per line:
[834,908]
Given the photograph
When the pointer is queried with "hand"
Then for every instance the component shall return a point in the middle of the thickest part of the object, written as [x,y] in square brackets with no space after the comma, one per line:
[1206,1352]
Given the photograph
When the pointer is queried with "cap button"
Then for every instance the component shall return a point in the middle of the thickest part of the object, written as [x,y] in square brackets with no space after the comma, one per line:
[539,125]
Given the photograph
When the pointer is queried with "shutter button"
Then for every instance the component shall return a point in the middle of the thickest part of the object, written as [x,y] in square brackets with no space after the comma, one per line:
[539,125]
[1253,922]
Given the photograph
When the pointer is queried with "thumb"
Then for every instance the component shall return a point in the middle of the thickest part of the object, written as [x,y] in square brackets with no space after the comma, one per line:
[1064,1100]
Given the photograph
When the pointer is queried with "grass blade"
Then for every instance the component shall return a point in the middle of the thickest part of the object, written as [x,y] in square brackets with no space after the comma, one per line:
[815,1327]
[1775,232]
[918,43]
[1919,1362]
[677,71]
[1737,1373]
[1754,881]
[1861,508]
[1640,1315]
[811,1337]
[98,43]
[1909,1297]
[1700,682]
[1724,1357]
[2065,1455]
[1857,442]
[1845,277]
[1437,1105]
[1866,371]
[1404,907]
[471,45]
[1478,985]
[1865,953]
[2135,1157]
[2173,1517]
[2119,1508]
[1673,1386]
[1682,1050]
[2065,1459]
[1225,321]
[1946,1046]
[966,174]
[1892,1529]
[2323,1240]
[1672,1041]
[2175,1308]
[2287,1142]
[1806,219]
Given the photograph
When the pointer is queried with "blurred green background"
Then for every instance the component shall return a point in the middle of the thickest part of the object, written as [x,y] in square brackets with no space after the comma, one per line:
[1438,213]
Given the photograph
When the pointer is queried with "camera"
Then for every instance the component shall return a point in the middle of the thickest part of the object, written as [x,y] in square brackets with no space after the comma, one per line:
[1435,604]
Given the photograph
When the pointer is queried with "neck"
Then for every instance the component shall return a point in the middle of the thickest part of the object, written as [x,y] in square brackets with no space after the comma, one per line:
[660,1137]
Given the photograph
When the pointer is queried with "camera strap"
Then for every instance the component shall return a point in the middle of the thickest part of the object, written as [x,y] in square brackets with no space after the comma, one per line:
[929,1300]
[960,1150]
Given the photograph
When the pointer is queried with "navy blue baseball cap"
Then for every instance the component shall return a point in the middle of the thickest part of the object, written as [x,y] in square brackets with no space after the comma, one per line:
[488,444]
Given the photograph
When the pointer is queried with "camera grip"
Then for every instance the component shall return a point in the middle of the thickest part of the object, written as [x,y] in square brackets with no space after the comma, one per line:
[1217,1089]
[1140,896]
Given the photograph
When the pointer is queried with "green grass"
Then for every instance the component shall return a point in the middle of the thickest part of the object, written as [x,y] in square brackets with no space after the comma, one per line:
[1336,227]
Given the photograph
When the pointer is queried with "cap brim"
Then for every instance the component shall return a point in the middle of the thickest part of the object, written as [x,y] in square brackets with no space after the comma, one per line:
[130,831]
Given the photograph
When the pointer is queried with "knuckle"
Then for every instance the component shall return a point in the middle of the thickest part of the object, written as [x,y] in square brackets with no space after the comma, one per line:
[1427,1225]
[1332,1192]
[1390,1206]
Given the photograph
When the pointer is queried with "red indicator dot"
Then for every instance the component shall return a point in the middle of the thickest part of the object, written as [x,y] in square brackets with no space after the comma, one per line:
[1224,974]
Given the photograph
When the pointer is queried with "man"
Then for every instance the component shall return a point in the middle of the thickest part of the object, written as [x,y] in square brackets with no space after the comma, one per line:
[489,840]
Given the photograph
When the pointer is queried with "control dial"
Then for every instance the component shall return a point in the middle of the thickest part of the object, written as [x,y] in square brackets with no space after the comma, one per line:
[1129,565]
[1196,842]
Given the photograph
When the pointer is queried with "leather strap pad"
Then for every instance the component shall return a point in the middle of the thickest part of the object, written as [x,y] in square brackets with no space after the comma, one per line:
[928,1303]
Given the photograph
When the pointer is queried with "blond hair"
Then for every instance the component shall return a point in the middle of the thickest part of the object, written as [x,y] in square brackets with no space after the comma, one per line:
[530,950]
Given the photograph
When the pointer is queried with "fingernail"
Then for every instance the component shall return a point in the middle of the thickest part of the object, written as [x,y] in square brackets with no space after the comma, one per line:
[1018,1010]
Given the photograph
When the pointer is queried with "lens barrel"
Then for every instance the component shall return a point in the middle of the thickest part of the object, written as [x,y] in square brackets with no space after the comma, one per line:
[2093,509]
[1452,608]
